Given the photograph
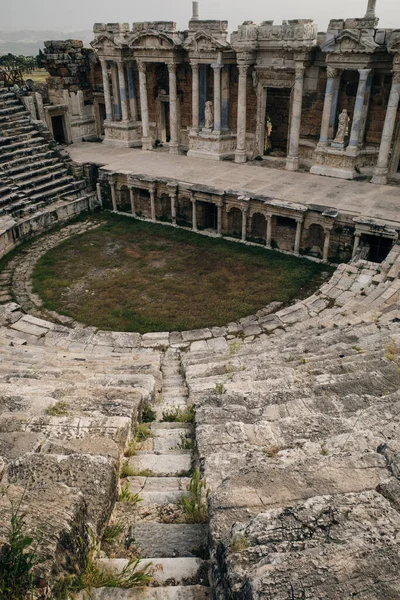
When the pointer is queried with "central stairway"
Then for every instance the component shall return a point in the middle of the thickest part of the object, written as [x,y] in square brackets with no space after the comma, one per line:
[154,525]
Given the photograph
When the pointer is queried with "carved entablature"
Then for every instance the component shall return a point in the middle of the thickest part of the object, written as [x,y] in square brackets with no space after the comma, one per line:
[152,40]
[294,35]
[350,41]
[276,78]
[202,41]
[108,44]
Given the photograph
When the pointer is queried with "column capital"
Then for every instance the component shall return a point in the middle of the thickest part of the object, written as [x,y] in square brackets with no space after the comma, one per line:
[112,179]
[243,68]
[171,67]
[152,188]
[195,65]
[364,74]
[141,66]
[217,66]
[299,70]
[299,220]
[332,72]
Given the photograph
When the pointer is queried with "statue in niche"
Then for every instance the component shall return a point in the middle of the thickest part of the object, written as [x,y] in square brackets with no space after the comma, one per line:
[209,115]
[268,131]
[343,127]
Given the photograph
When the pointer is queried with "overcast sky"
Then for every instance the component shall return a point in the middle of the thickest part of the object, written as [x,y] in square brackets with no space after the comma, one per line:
[73,15]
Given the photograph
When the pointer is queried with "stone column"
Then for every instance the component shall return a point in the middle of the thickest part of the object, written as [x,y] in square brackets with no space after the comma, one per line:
[382,167]
[219,220]
[292,161]
[144,106]
[357,237]
[358,111]
[370,14]
[98,191]
[217,68]
[113,193]
[81,103]
[326,115]
[152,191]
[123,91]
[335,100]
[132,197]
[241,154]
[40,107]
[30,106]
[298,236]
[173,110]
[107,91]
[194,213]
[195,96]
[116,97]
[269,231]
[244,225]
[172,194]
[325,252]
[225,86]
[132,92]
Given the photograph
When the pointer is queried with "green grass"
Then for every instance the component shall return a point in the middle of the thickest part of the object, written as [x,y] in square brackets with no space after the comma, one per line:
[130,275]
[178,415]
[59,409]
[194,503]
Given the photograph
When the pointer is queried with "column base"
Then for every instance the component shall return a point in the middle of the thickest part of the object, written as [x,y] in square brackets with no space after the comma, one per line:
[147,143]
[240,156]
[380,176]
[292,163]
[174,148]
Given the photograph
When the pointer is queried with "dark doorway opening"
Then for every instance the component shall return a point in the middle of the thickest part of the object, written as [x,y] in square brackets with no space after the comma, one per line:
[379,246]
[58,129]
[277,121]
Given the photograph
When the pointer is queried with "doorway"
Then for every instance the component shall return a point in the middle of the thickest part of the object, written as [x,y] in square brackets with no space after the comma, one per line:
[58,129]
[379,246]
[277,115]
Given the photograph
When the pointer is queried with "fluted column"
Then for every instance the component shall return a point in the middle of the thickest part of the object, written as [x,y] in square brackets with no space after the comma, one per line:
[107,90]
[195,96]
[132,197]
[326,115]
[382,167]
[144,106]
[152,191]
[123,91]
[244,225]
[292,161]
[219,220]
[298,236]
[116,97]
[194,213]
[325,252]
[173,110]
[358,111]
[357,237]
[217,68]
[241,154]
[132,92]
[269,231]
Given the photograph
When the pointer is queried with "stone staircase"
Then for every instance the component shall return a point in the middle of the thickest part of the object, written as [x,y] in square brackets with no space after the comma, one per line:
[156,524]
[32,174]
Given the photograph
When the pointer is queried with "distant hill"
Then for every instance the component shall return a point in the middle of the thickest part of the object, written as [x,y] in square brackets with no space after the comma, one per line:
[28,42]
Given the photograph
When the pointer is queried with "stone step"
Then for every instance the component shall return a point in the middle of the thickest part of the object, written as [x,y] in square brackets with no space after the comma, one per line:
[22,163]
[31,149]
[162,465]
[36,169]
[49,175]
[26,143]
[160,540]
[158,490]
[166,571]
[195,592]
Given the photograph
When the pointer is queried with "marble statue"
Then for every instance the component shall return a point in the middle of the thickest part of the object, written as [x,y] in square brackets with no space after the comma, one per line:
[343,127]
[209,115]
[268,131]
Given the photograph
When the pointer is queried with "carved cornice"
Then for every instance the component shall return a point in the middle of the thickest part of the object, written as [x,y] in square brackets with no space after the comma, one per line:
[203,41]
[350,41]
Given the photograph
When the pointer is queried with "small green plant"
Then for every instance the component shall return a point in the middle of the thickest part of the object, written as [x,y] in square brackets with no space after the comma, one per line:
[143,432]
[130,576]
[131,449]
[234,347]
[112,532]
[59,409]
[179,415]
[195,504]
[18,557]
[126,495]
[356,348]
[239,544]
[219,388]
[324,449]
[126,471]
[186,443]
[142,472]
[148,415]
[392,352]
[272,451]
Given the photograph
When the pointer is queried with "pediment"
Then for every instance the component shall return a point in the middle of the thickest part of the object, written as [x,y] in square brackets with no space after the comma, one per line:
[350,41]
[204,42]
[154,40]
[105,40]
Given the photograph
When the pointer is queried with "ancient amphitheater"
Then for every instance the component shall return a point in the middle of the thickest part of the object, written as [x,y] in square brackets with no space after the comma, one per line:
[292,415]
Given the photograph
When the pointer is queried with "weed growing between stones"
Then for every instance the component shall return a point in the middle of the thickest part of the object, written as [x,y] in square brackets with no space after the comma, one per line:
[18,557]
[239,544]
[143,432]
[126,471]
[186,443]
[148,415]
[131,449]
[194,504]
[112,532]
[219,388]
[126,496]
[179,415]
[59,409]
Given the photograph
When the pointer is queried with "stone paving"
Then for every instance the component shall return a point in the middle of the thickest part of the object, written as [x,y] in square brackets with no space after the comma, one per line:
[348,197]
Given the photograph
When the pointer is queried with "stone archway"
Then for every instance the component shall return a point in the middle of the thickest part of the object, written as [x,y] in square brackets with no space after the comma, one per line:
[258,228]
